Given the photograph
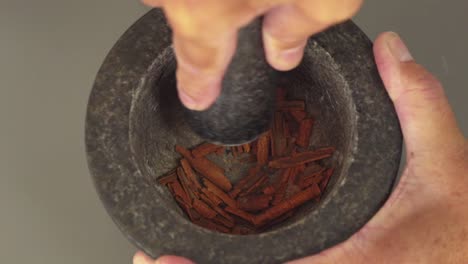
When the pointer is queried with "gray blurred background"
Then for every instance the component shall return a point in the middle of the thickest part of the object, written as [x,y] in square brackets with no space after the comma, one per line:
[50,51]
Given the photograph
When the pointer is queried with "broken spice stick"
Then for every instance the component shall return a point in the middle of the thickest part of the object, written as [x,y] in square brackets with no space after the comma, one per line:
[206,223]
[220,193]
[305,130]
[280,194]
[240,149]
[179,191]
[277,135]
[169,178]
[301,158]
[223,221]
[192,214]
[206,168]
[184,186]
[269,190]
[246,147]
[278,220]
[220,151]
[203,209]
[287,205]
[254,203]
[262,149]
[211,171]
[298,115]
[215,206]
[255,185]
[240,213]
[242,230]
[213,198]
[191,176]
[184,152]
[239,186]
[204,149]
[326,177]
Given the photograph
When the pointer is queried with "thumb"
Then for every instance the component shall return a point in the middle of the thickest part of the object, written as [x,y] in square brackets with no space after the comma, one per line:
[426,118]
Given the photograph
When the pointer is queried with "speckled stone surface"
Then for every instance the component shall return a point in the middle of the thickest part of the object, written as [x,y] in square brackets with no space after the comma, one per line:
[134,119]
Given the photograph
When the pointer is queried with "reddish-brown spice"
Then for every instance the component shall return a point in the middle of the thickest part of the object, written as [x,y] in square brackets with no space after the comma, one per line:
[190,173]
[256,202]
[301,158]
[298,115]
[169,178]
[207,169]
[326,177]
[220,193]
[246,147]
[239,186]
[277,135]
[211,225]
[203,209]
[204,149]
[305,130]
[240,213]
[287,205]
[262,149]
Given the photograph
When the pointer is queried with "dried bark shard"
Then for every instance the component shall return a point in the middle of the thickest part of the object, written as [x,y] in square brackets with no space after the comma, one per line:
[223,221]
[301,158]
[213,198]
[254,203]
[204,149]
[326,178]
[240,213]
[262,149]
[206,223]
[203,209]
[269,190]
[220,193]
[305,130]
[182,187]
[255,185]
[278,139]
[168,178]
[298,115]
[239,186]
[287,205]
[242,230]
[246,147]
[220,151]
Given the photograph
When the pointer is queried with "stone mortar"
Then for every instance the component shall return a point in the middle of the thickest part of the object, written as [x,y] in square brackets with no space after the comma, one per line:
[134,119]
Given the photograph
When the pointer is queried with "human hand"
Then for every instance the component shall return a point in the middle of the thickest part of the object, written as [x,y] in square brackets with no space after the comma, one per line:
[205,36]
[424,219]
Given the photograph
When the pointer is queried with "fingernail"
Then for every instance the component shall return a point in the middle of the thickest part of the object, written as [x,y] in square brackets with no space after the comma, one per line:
[290,57]
[282,59]
[201,95]
[398,48]
[188,101]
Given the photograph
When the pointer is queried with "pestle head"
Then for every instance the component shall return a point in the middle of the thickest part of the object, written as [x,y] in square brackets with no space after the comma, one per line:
[245,106]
